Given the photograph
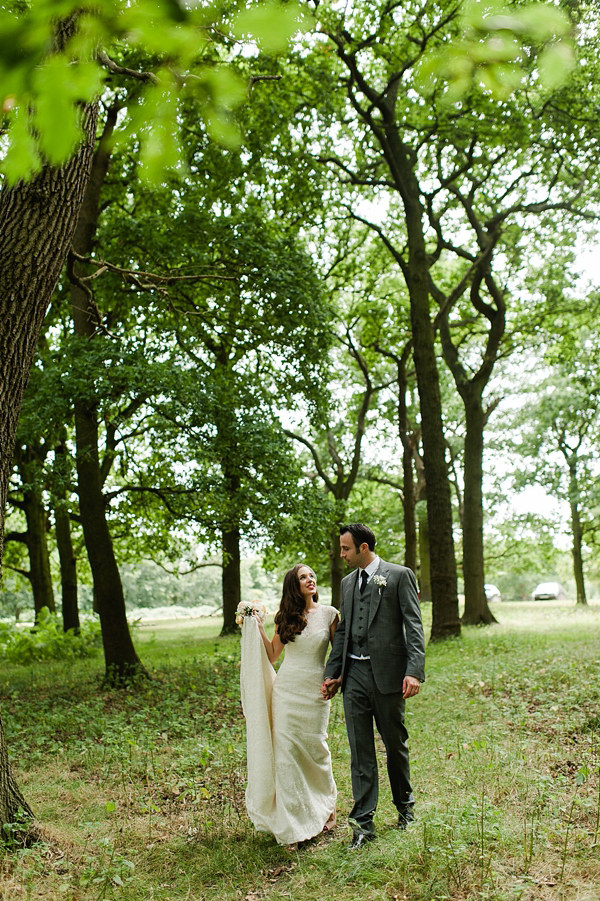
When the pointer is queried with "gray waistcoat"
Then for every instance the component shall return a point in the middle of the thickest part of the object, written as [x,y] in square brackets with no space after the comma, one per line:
[359,630]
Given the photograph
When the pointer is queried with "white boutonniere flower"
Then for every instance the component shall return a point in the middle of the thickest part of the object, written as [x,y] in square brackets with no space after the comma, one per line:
[380,581]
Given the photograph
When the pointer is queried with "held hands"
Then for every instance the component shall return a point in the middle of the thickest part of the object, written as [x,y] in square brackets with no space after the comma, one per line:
[410,687]
[330,688]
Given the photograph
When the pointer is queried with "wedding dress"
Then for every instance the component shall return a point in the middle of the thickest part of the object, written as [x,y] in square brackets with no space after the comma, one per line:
[291,792]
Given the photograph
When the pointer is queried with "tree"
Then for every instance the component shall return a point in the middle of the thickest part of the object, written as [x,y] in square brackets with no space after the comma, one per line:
[337,456]
[38,218]
[29,459]
[254,341]
[559,441]
[451,195]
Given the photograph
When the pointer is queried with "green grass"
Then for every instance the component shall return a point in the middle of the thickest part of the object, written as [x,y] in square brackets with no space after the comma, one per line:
[141,792]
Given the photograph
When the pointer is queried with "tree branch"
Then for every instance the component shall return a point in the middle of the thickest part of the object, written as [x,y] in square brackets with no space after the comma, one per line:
[116,69]
[315,456]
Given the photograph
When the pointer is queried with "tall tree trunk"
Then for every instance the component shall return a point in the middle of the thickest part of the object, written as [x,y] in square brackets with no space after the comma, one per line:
[477,610]
[336,568]
[68,571]
[231,579]
[29,460]
[14,809]
[37,221]
[121,660]
[408,507]
[380,115]
[37,545]
[406,433]
[424,568]
[64,543]
[445,619]
[577,531]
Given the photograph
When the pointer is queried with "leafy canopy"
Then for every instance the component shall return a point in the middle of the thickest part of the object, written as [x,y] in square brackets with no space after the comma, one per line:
[56,55]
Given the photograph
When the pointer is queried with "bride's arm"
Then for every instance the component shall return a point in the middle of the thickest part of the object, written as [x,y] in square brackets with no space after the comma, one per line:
[273,648]
[333,627]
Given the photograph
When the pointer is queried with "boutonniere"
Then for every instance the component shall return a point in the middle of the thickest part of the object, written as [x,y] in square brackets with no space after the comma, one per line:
[381,582]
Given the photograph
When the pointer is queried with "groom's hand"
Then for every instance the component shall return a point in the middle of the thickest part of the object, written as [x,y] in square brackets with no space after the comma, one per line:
[329,688]
[410,687]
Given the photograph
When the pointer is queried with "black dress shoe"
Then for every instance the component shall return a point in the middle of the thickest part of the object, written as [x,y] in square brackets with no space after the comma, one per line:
[406,816]
[359,840]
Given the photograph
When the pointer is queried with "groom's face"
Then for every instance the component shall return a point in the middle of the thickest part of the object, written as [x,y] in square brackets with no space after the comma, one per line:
[350,553]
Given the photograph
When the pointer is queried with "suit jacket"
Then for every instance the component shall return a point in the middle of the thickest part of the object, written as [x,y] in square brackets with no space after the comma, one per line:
[396,637]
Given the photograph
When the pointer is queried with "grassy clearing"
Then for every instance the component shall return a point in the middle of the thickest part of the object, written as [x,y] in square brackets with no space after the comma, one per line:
[141,793]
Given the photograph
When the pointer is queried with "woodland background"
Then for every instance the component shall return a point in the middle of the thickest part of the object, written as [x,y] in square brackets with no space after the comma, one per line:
[265,270]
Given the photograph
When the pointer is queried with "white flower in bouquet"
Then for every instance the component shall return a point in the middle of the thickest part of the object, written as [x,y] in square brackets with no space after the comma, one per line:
[250,608]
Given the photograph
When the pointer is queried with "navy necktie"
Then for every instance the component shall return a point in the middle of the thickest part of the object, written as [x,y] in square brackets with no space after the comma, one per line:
[363,580]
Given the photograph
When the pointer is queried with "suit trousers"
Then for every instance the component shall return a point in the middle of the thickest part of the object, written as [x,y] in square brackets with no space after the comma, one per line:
[363,705]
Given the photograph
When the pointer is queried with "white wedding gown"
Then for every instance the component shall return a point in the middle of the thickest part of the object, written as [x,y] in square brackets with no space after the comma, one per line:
[291,792]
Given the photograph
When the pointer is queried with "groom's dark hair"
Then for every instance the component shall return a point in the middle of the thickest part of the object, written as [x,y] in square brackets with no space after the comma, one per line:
[361,534]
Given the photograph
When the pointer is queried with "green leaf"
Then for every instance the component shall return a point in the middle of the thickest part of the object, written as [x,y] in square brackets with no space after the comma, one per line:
[222,129]
[226,88]
[22,158]
[427,73]
[542,21]
[156,117]
[501,80]
[270,24]
[55,106]
[555,64]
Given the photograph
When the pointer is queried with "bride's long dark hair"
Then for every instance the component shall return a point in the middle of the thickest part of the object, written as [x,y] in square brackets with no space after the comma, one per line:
[290,618]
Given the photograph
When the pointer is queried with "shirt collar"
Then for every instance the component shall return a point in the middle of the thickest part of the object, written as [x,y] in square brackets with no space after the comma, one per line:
[372,568]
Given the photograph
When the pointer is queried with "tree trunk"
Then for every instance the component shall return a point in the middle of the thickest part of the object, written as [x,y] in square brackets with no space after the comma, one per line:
[64,543]
[445,619]
[231,580]
[68,571]
[408,507]
[37,545]
[424,568]
[409,495]
[380,114]
[336,568]
[477,610]
[37,221]
[15,812]
[121,660]
[577,531]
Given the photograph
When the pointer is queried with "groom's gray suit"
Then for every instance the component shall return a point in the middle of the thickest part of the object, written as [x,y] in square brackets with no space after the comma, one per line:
[382,626]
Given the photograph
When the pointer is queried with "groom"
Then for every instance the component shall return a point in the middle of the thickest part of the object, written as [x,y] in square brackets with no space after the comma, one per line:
[378,660]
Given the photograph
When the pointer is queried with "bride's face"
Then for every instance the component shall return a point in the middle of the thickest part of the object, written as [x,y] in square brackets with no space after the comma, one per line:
[307,581]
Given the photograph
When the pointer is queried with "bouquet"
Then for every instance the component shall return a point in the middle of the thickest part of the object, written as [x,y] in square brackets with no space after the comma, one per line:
[250,608]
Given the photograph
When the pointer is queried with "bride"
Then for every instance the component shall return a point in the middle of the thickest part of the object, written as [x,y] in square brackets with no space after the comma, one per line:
[291,792]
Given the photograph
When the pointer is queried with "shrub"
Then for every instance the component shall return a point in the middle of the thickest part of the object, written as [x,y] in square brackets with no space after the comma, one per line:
[48,641]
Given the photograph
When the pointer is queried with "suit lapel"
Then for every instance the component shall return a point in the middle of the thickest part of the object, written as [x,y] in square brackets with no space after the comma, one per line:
[382,570]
